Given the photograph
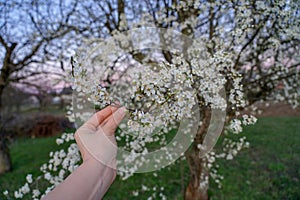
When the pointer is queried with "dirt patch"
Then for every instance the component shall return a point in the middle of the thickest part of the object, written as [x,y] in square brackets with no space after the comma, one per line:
[271,109]
[48,125]
[36,125]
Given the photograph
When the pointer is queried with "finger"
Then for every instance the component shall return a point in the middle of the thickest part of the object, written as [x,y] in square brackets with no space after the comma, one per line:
[104,121]
[105,113]
[113,121]
[99,117]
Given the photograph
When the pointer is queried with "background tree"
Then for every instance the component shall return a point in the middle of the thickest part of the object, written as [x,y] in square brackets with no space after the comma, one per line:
[34,38]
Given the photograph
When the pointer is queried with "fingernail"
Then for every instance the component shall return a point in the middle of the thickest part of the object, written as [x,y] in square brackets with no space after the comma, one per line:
[121,110]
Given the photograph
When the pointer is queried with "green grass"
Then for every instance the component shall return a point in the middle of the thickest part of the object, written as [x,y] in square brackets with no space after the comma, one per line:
[269,169]
[27,157]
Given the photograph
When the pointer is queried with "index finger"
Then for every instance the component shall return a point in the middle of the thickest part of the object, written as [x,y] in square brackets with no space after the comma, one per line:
[99,117]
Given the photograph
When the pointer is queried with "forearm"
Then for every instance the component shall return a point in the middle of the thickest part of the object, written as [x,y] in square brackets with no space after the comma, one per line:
[98,147]
[89,181]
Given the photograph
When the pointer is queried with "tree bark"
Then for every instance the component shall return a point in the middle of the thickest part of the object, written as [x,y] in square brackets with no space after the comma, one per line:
[5,160]
[197,188]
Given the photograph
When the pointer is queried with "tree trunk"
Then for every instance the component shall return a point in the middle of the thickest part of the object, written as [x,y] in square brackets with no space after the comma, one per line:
[6,70]
[197,188]
[5,161]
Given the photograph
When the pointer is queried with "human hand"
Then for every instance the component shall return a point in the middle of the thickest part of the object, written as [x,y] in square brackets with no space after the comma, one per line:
[98,148]
[96,139]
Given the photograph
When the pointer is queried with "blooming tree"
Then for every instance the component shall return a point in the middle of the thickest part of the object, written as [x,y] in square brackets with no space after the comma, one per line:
[181,66]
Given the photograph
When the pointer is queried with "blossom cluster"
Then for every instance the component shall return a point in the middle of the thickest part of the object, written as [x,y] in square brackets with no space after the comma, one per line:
[157,192]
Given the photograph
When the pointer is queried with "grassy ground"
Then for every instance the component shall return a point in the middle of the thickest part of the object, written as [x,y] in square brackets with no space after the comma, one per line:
[269,169]
[27,157]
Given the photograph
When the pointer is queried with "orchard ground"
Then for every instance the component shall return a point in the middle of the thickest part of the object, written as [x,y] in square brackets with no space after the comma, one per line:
[269,169]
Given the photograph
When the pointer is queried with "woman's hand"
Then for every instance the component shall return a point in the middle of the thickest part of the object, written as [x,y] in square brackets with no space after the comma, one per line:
[96,137]
[97,144]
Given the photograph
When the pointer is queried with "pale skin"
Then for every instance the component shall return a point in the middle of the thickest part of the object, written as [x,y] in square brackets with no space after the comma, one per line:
[97,145]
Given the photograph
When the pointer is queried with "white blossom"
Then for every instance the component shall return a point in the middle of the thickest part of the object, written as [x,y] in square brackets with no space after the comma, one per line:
[29,178]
